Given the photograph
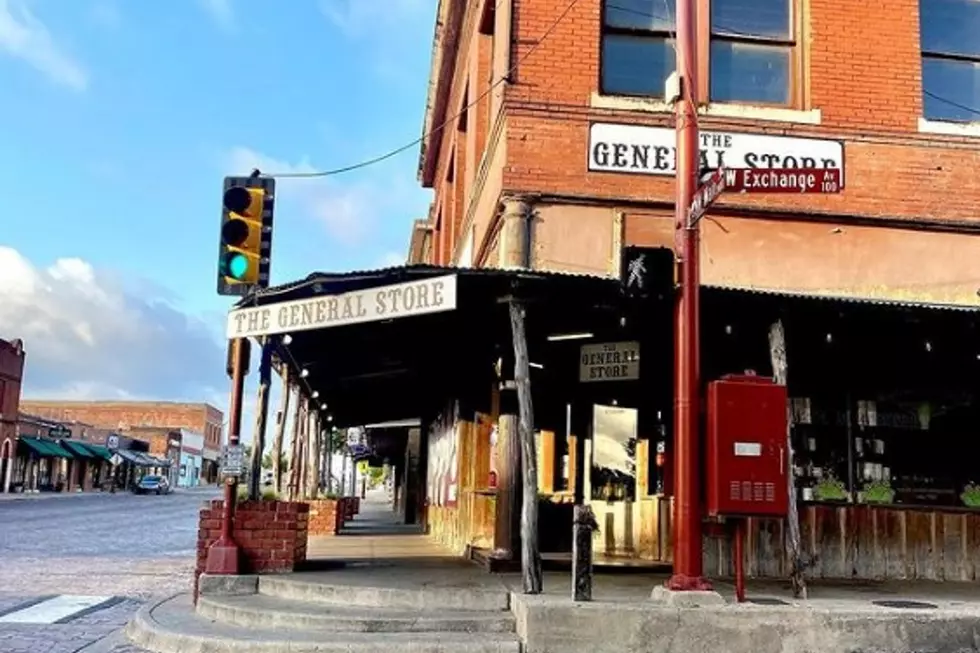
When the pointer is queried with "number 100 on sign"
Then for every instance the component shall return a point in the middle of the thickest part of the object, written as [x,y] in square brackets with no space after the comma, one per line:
[783,180]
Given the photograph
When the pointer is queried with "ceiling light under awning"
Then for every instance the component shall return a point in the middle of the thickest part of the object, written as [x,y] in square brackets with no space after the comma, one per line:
[569,336]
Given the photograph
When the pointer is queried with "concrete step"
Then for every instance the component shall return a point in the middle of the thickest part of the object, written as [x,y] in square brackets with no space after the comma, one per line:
[173,626]
[409,597]
[262,611]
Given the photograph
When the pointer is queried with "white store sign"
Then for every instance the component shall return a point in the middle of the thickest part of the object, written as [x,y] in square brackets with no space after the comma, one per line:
[609,361]
[370,305]
[637,149]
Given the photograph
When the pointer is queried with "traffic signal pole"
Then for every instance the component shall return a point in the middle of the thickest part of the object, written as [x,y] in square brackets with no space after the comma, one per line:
[688,575]
[223,554]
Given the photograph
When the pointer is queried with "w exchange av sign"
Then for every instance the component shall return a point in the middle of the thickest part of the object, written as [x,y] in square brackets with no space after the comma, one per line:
[636,149]
[433,295]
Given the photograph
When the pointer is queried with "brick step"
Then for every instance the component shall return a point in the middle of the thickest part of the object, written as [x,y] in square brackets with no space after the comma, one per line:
[261,611]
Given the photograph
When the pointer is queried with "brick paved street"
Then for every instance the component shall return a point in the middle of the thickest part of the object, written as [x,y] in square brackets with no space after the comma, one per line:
[121,549]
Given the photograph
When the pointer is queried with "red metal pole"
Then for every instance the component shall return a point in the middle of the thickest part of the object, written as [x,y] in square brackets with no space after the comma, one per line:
[687,505]
[223,554]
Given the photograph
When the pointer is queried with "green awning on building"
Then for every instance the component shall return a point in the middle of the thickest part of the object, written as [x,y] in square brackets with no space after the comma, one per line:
[97,450]
[44,448]
[78,449]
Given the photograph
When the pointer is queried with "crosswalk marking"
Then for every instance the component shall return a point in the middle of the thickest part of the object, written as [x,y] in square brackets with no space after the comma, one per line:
[54,609]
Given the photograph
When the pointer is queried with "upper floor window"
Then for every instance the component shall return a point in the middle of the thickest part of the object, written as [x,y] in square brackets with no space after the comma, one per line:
[753,49]
[950,59]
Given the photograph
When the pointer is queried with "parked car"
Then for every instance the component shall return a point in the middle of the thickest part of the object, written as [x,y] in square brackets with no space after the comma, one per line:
[152,485]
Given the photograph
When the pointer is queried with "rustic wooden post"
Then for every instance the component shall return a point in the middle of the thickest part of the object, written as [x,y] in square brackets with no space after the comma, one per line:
[294,457]
[287,390]
[780,368]
[261,413]
[313,477]
[530,555]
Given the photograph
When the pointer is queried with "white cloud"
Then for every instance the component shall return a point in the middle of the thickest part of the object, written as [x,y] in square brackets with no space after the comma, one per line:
[24,37]
[347,211]
[87,336]
[221,11]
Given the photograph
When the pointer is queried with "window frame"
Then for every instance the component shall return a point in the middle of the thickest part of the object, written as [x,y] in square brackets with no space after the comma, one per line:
[798,72]
[942,56]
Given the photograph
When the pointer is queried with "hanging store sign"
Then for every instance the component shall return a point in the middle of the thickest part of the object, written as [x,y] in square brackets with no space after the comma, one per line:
[637,149]
[370,305]
[609,361]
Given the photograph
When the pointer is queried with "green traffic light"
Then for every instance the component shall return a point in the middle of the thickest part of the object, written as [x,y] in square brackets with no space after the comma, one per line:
[236,266]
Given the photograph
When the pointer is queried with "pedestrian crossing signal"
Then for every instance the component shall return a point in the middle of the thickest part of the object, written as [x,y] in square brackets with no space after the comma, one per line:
[246,235]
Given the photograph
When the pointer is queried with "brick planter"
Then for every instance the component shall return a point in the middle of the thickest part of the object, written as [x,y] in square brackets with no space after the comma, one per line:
[357,505]
[324,517]
[271,535]
[349,511]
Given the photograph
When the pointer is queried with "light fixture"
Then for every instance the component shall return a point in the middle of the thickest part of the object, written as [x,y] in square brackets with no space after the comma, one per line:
[316,393]
[569,336]
[830,337]
[287,339]
[536,365]
[303,373]
[728,329]
[928,346]
[323,406]
[329,418]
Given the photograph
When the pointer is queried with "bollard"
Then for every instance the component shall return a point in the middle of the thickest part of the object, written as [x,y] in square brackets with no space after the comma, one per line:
[584,525]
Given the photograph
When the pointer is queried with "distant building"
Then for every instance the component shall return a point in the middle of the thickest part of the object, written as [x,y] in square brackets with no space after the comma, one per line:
[12,356]
[130,416]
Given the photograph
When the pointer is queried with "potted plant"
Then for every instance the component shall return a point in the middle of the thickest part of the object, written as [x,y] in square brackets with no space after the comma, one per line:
[971,495]
[878,492]
[830,489]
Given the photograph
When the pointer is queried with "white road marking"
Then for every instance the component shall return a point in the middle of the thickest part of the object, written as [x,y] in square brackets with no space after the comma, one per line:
[52,610]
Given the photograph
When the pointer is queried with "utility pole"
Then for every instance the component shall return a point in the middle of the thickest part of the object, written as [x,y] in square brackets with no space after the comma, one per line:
[687,574]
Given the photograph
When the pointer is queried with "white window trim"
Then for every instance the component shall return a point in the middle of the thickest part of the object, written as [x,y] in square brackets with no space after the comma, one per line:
[927,126]
[714,110]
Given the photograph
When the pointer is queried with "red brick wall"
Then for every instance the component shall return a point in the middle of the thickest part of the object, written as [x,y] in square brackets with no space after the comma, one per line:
[862,72]
[12,357]
[271,535]
[323,518]
[198,417]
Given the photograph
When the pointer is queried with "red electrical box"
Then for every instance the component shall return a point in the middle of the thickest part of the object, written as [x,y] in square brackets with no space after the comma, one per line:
[746,454]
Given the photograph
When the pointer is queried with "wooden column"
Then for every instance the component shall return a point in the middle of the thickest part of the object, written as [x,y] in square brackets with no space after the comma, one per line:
[530,553]
[508,454]
[261,413]
[777,352]
[287,390]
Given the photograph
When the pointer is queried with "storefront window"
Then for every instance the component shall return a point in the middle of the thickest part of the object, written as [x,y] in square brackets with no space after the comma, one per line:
[613,475]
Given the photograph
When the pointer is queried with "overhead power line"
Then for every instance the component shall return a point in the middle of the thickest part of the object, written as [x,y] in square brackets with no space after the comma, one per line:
[378,159]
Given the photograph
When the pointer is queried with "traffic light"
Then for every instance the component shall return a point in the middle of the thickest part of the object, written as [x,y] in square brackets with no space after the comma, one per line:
[246,234]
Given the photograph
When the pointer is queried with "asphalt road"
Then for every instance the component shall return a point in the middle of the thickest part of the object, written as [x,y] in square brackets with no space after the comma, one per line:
[120,548]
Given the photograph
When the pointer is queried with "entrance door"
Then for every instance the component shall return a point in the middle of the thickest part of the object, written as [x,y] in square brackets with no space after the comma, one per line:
[611,487]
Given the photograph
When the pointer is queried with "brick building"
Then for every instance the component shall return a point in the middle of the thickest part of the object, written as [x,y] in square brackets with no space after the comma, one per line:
[12,358]
[549,145]
[129,416]
[580,129]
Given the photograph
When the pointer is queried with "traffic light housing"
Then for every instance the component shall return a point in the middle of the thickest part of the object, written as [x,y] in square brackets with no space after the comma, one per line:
[246,234]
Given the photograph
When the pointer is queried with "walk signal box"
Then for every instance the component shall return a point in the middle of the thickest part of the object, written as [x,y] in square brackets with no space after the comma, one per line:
[747,456]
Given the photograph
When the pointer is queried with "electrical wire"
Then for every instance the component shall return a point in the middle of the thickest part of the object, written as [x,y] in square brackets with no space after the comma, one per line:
[378,159]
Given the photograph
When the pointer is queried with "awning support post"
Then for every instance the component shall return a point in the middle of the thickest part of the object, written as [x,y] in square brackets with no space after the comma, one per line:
[530,554]
[287,389]
[261,414]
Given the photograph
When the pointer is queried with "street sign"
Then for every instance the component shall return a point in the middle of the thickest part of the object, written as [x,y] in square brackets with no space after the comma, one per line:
[705,195]
[115,460]
[784,180]
[59,432]
[233,460]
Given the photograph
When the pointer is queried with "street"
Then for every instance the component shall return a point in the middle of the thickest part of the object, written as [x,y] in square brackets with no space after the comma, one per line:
[73,569]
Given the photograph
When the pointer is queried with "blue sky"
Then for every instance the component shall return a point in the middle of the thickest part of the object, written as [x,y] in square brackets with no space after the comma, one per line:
[120,119]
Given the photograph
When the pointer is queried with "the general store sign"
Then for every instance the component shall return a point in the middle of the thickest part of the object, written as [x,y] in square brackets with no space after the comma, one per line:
[384,303]
[637,149]
[609,361]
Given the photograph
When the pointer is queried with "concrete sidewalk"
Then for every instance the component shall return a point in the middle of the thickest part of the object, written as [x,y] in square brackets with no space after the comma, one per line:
[382,588]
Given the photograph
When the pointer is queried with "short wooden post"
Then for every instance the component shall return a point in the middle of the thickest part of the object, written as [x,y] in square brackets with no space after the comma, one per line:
[583,526]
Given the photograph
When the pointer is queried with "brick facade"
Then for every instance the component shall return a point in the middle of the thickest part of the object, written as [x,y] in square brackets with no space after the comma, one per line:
[910,192]
[12,357]
[271,535]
